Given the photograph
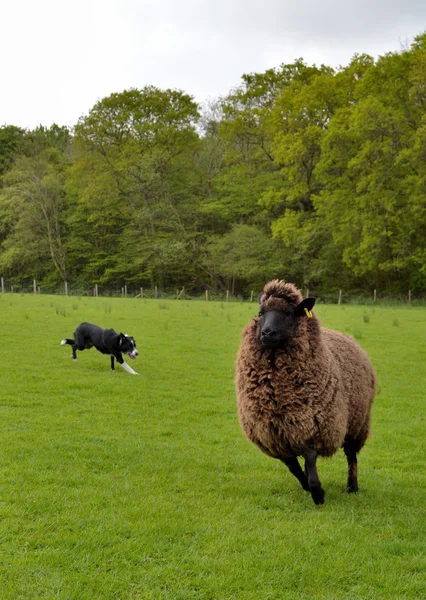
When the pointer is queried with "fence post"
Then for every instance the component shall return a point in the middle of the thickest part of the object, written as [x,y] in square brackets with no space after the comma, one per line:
[2,285]
[409,296]
[375,296]
[66,288]
[35,286]
[96,290]
[251,296]
[141,292]
[207,295]
[227,295]
[340,297]
[155,292]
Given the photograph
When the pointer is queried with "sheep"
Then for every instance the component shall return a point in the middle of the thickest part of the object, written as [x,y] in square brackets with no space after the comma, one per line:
[302,390]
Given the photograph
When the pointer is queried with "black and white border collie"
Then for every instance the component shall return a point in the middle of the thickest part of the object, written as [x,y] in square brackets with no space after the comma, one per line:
[106,341]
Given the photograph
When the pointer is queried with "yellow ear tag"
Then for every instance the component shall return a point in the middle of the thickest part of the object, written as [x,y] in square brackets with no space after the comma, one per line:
[308,313]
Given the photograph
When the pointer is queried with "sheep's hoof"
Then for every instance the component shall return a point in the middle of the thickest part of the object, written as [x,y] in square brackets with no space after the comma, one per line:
[352,488]
[318,495]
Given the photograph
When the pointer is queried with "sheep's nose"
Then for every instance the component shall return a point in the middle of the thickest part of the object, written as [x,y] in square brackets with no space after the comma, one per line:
[268,332]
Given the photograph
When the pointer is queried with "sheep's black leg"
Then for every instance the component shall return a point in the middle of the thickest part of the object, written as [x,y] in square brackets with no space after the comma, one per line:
[314,483]
[296,470]
[350,448]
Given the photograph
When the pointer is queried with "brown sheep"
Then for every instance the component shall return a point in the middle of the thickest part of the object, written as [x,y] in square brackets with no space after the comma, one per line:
[302,390]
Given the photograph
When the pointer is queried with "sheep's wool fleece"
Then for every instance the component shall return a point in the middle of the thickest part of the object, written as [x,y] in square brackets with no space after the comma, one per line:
[311,394]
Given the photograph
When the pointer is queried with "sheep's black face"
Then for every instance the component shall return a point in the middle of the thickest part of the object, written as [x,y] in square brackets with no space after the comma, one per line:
[277,323]
[276,326]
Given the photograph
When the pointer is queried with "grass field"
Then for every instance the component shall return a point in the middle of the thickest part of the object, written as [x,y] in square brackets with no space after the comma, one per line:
[114,486]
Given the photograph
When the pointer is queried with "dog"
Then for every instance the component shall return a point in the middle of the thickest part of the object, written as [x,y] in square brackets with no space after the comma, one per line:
[106,341]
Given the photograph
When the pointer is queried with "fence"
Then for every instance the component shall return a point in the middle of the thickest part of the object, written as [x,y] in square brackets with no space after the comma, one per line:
[181,293]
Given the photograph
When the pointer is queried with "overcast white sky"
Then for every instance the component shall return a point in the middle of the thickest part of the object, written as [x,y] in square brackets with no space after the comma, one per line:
[59,57]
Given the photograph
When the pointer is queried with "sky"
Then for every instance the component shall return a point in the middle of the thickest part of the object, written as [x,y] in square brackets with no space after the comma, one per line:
[59,57]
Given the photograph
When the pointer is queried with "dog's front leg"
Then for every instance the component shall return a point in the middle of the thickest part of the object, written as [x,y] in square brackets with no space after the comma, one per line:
[128,368]
[125,366]
[112,363]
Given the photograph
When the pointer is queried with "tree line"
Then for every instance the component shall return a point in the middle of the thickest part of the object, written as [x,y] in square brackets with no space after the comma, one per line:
[303,172]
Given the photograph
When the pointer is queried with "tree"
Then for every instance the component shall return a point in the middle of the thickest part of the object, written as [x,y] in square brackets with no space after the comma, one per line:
[243,258]
[32,201]
[371,198]
[11,139]
[129,178]
[298,121]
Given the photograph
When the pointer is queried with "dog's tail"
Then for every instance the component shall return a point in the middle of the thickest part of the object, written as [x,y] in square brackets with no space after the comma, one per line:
[67,341]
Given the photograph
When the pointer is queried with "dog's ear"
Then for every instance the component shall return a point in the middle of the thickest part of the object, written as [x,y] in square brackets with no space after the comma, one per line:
[121,339]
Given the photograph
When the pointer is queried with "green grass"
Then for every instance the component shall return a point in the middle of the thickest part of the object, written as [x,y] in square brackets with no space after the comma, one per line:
[122,487]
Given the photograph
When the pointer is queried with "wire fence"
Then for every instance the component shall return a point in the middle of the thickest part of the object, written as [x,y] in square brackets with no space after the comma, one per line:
[183,293]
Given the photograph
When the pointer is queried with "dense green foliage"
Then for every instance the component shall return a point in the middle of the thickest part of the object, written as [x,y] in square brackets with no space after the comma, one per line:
[309,173]
[116,486]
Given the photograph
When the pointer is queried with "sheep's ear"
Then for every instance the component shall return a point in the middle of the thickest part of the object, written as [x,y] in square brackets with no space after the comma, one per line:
[304,308]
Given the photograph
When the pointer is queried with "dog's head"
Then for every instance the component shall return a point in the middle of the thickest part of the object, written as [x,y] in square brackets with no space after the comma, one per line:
[127,345]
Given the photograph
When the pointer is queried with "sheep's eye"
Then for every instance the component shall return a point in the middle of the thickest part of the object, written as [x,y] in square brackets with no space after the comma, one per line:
[261,312]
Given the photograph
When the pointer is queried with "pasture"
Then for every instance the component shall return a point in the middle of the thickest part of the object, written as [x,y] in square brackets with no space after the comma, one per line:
[116,487]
